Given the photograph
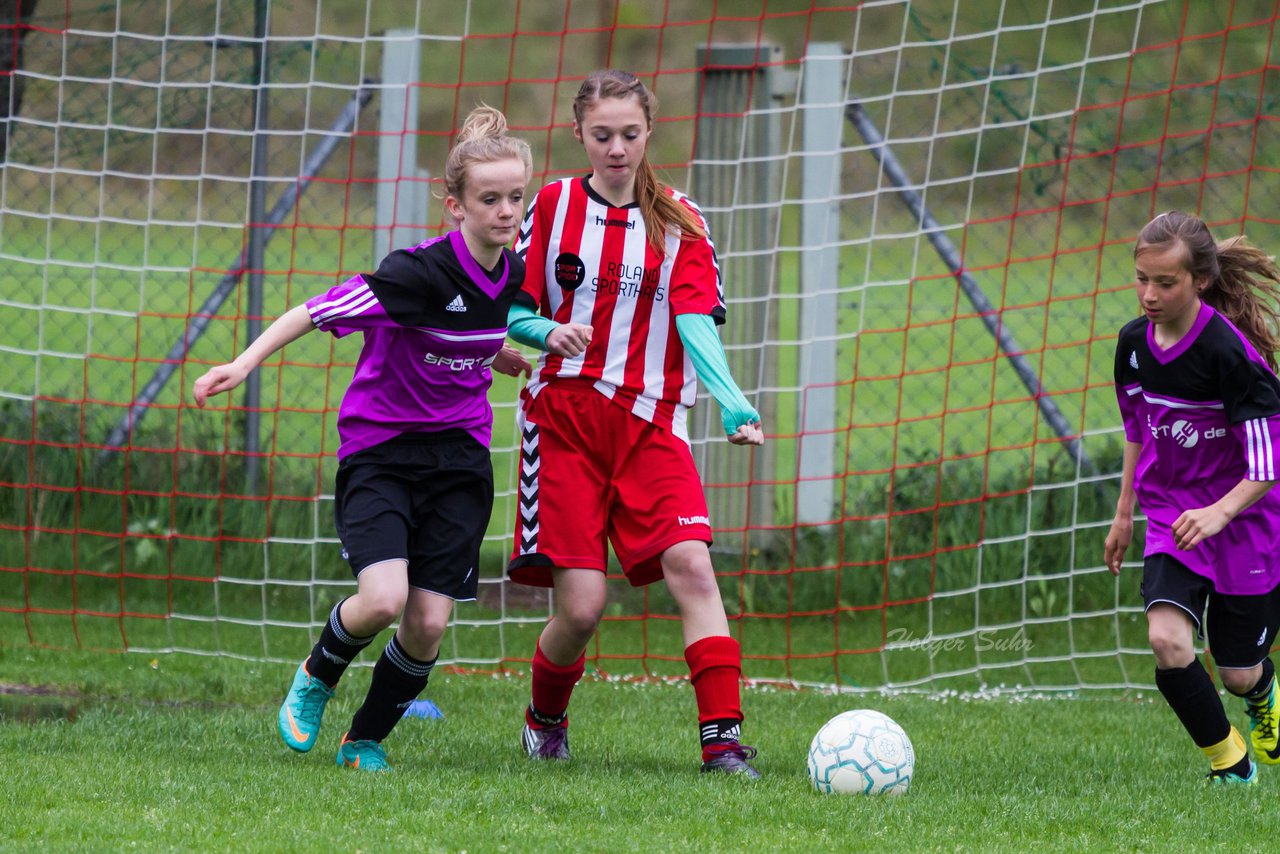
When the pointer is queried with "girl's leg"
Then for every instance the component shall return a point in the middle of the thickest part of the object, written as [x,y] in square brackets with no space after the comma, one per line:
[404,667]
[559,660]
[381,592]
[714,658]
[1241,628]
[1190,692]
[351,627]
[1263,707]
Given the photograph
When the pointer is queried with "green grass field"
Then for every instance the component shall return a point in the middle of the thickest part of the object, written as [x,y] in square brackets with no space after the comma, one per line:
[180,753]
[967,565]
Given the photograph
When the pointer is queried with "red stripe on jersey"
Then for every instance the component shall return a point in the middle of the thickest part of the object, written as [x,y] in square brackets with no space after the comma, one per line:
[560,302]
[612,243]
[638,355]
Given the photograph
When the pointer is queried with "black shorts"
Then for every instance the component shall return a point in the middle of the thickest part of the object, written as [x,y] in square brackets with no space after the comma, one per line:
[421,497]
[1239,629]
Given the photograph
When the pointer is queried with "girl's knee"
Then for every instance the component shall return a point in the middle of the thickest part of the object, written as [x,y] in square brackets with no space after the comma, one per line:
[1170,647]
[1238,681]
[580,620]
[692,580]
[380,610]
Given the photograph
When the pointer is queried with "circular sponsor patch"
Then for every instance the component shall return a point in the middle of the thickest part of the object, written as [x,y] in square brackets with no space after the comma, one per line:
[569,271]
[1184,434]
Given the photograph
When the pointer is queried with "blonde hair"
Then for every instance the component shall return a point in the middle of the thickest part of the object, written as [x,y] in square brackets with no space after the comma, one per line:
[660,211]
[1242,281]
[482,139]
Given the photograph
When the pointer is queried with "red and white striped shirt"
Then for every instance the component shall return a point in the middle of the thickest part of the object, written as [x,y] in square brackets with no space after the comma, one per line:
[590,263]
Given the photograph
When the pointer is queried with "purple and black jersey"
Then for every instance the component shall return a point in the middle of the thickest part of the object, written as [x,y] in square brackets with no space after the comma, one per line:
[1207,415]
[433,319]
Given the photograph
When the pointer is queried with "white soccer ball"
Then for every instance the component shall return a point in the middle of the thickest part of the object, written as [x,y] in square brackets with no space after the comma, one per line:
[862,752]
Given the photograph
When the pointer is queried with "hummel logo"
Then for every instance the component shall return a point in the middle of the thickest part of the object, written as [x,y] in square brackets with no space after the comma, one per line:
[1262,638]
[456,305]
[1133,360]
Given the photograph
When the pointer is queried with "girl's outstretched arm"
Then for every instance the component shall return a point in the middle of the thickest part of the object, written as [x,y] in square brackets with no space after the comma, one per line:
[290,326]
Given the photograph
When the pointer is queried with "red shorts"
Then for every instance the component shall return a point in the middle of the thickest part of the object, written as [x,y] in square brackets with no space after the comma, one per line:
[591,471]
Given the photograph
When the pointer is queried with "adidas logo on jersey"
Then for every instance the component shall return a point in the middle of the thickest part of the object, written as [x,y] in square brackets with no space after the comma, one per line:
[1133,359]
[456,305]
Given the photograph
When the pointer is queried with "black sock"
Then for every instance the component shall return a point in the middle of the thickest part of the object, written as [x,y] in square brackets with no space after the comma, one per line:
[724,731]
[397,680]
[542,720]
[1190,693]
[1241,768]
[335,650]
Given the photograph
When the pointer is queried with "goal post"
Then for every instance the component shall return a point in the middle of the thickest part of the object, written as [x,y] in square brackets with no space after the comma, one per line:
[939,477]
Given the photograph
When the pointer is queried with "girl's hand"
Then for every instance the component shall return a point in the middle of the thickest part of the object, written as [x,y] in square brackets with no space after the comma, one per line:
[511,362]
[1195,526]
[217,380]
[1117,544]
[569,339]
[748,434]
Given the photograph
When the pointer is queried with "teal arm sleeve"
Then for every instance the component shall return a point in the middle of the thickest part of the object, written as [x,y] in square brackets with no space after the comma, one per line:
[528,327]
[698,332]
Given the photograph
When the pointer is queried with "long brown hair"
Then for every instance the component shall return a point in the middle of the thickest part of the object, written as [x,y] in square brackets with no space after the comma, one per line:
[659,209]
[1243,282]
[482,139]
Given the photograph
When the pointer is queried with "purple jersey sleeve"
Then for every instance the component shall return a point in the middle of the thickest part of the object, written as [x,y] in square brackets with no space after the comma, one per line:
[348,307]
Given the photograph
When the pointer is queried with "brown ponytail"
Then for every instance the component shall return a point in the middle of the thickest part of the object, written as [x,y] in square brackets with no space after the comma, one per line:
[661,212]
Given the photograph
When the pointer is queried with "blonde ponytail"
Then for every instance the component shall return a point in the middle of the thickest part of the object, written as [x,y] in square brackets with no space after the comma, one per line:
[482,139]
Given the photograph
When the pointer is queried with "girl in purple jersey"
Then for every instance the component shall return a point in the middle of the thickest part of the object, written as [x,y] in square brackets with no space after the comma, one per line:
[1200,401]
[415,484]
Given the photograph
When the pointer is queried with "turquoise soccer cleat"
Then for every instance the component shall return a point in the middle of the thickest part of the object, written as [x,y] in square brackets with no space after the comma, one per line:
[363,755]
[1227,778]
[302,710]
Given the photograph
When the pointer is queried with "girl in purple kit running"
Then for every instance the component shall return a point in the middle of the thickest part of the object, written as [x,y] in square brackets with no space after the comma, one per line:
[1201,406]
[415,484]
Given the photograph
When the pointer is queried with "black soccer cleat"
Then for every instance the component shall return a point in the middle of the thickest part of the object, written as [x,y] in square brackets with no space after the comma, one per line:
[732,759]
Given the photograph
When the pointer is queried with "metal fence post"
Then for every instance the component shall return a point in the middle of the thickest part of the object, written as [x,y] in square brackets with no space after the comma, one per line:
[402,194]
[822,115]
[736,181]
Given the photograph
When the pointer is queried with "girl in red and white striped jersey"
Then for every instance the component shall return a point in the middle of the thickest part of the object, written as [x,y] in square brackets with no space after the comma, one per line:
[622,290]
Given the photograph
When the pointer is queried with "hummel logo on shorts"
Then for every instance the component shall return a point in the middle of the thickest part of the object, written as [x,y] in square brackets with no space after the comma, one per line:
[1133,360]
[456,305]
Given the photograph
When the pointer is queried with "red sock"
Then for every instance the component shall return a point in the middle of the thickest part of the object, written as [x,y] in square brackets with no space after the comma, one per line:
[715,669]
[552,686]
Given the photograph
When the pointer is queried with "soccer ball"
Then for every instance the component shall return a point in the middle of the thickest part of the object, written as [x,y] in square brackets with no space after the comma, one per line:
[862,752]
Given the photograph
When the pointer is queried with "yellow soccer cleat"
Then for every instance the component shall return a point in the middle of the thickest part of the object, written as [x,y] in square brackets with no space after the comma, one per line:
[1264,727]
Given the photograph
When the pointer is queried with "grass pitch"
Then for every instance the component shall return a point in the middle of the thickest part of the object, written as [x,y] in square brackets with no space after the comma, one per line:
[180,752]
